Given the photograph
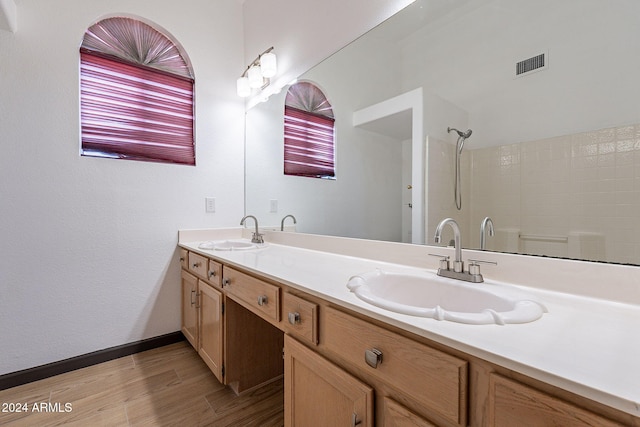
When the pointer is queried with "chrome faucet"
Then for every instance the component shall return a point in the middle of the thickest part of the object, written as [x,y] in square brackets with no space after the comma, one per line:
[457,262]
[288,216]
[257,237]
[483,226]
[473,275]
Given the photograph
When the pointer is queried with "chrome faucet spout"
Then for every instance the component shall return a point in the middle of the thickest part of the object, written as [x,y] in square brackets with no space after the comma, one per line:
[257,237]
[287,216]
[457,262]
[486,222]
[458,272]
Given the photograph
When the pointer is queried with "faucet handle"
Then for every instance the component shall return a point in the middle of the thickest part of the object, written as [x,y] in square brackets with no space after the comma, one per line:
[474,267]
[480,261]
[444,261]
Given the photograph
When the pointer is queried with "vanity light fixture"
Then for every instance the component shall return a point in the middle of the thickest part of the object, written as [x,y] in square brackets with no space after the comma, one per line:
[258,73]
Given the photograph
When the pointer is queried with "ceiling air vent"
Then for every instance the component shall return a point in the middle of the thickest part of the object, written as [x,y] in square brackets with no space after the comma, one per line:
[537,62]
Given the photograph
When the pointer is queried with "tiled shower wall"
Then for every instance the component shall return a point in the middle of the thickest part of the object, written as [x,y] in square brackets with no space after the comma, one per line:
[572,196]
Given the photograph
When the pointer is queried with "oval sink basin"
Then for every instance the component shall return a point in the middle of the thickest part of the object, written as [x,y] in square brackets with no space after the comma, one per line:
[228,245]
[429,295]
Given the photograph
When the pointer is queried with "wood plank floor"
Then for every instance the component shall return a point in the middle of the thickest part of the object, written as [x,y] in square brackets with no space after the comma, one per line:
[166,386]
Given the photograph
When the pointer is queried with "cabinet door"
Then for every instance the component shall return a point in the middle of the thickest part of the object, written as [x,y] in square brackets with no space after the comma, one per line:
[211,338]
[318,393]
[189,308]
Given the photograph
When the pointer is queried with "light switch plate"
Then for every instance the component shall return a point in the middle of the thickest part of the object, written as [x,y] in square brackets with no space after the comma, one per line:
[210,204]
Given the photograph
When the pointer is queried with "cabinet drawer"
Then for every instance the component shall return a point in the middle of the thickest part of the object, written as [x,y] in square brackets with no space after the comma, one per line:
[258,296]
[300,317]
[511,402]
[184,261]
[435,380]
[198,264]
[214,273]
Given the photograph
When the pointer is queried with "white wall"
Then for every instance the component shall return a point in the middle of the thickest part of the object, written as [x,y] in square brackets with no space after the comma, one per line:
[89,245]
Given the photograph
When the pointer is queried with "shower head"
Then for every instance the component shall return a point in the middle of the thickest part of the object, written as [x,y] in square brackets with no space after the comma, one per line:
[464,135]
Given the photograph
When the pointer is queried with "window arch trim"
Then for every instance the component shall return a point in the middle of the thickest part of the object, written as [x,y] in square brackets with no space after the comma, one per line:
[137,111]
[309,132]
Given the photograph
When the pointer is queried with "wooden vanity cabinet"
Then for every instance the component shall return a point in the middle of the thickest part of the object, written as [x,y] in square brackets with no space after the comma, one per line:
[202,309]
[241,349]
[336,360]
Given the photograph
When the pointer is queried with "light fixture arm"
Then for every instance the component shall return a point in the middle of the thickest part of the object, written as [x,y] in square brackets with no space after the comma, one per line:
[256,61]
[258,74]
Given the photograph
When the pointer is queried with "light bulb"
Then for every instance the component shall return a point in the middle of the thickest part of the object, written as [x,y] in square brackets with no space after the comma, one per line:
[268,65]
[255,77]
[242,87]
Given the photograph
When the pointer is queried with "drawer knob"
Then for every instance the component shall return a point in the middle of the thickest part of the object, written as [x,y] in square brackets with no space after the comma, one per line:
[226,282]
[196,264]
[373,357]
[262,300]
[181,259]
[212,273]
[354,420]
[294,318]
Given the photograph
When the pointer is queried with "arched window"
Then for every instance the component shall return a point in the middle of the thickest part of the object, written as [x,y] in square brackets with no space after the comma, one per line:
[308,132]
[136,94]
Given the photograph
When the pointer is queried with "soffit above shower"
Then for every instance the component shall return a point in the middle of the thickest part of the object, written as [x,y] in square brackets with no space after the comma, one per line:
[392,117]
[396,125]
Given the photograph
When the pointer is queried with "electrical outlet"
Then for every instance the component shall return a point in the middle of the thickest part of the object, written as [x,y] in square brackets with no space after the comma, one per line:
[273,206]
[210,204]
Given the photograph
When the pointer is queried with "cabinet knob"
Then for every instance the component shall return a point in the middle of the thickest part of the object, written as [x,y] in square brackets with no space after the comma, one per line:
[181,259]
[262,300]
[197,264]
[226,282]
[354,420]
[212,273]
[294,318]
[373,357]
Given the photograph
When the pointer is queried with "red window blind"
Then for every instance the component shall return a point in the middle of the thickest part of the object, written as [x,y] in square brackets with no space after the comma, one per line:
[135,112]
[308,144]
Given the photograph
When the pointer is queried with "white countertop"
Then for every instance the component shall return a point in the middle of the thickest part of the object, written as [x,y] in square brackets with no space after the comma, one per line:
[585,345]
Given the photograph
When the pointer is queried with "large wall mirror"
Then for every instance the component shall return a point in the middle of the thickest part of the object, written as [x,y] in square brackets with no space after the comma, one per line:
[554,153]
